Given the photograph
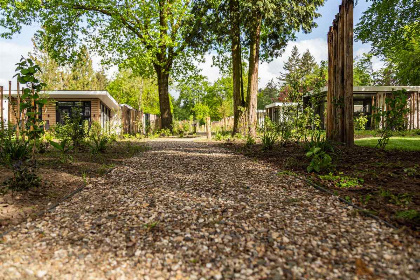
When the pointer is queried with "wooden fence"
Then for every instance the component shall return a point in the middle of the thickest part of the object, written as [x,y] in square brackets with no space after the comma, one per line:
[340,107]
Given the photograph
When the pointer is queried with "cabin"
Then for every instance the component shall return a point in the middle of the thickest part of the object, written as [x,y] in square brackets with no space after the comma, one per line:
[365,99]
[95,106]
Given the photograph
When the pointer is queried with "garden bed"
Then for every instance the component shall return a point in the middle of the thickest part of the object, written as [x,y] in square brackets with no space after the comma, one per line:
[59,179]
[385,183]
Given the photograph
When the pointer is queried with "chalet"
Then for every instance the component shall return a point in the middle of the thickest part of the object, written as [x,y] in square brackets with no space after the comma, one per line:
[95,106]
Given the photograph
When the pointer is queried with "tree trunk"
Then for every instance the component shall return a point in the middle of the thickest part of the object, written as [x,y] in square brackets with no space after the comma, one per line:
[254,59]
[165,105]
[236,63]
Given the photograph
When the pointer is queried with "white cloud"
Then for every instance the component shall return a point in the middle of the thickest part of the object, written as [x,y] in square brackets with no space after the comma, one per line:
[10,54]
[267,71]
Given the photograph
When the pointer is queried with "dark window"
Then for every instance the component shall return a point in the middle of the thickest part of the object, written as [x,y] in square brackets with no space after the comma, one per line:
[105,117]
[64,108]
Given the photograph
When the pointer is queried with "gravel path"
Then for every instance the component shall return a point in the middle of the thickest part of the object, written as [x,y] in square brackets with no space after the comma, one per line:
[187,210]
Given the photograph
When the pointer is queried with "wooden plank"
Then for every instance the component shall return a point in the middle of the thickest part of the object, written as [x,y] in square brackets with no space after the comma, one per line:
[330,86]
[348,75]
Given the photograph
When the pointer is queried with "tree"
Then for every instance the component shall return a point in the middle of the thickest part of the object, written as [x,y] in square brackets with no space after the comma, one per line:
[78,75]
[152,36]
[392,27]
[269,26]
[363,74]
[267,95]
[138,92]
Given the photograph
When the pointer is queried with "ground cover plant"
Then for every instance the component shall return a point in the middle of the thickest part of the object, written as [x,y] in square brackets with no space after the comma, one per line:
[55,178]
[385,182]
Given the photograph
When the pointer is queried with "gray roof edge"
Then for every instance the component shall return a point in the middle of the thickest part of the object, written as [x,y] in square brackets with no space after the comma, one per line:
[103,95]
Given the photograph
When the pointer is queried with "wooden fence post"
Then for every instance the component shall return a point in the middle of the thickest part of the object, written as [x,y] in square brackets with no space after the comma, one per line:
[340,106]
[208,128]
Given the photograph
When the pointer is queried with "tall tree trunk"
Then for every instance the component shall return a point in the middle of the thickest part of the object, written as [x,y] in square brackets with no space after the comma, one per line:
[254,59]
[165,105]
[236,63]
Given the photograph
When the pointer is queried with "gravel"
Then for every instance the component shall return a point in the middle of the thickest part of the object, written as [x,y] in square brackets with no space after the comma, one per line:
[188,210]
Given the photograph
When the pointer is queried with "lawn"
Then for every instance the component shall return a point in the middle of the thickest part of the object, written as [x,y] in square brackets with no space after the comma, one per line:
[395,143]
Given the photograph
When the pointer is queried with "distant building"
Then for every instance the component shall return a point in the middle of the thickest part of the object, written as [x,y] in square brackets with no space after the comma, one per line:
[367,97]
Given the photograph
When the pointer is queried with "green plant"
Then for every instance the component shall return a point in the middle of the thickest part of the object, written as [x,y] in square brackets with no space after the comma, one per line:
[409,215]
[365,199]
[24,176]
[393,118]
[412,171]
[31,101]
[73,128]
[250,140]
[320,160]
[270,134]
[64,147]
[12,150]
[360,122]
[343,181]
[98,140]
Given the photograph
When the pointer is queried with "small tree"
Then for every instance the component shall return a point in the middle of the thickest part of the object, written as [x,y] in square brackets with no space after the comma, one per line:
[31,100]
[393,118]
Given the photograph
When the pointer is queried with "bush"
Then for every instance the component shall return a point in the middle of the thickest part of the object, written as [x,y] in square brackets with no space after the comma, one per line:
[64,148]
[24,176]
[98,140]
[394,118]
[270,134]
[320,160]
[12,150]
[360,122]
[73,128]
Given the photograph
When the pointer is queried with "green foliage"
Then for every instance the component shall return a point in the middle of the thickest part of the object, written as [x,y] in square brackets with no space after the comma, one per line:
[270,134]
[344,181]
[73,129]
[250,140]
[138,92]
[393,30]
[12,151]
[24,176]
[98,140]
[394,118]
[401,199]
[360,122]
[64,147]
[31,100]
[320,160]
[412,215]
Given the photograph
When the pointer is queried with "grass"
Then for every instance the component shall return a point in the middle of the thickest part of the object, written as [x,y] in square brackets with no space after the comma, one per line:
[395,143]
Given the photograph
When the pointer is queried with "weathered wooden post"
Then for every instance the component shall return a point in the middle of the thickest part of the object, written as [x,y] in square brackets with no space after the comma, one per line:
[208,128]
[340,127]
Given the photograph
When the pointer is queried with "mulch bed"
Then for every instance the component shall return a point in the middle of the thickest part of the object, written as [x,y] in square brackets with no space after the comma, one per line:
[58,180]
[389,180]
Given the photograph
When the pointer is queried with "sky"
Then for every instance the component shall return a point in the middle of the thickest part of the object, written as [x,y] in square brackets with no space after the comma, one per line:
[11,50]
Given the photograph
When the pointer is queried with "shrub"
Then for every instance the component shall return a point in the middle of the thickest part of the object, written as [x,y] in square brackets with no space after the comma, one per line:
[360,122]
[270,134]
[250,140]
[64,148]
[98,140]
[320,160]
[24,176]
[12,150]
[73,128]
[394,118]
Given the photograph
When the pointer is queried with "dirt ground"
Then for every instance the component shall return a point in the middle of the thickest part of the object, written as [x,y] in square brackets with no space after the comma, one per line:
[189,210]
[59,179]
[388,181]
